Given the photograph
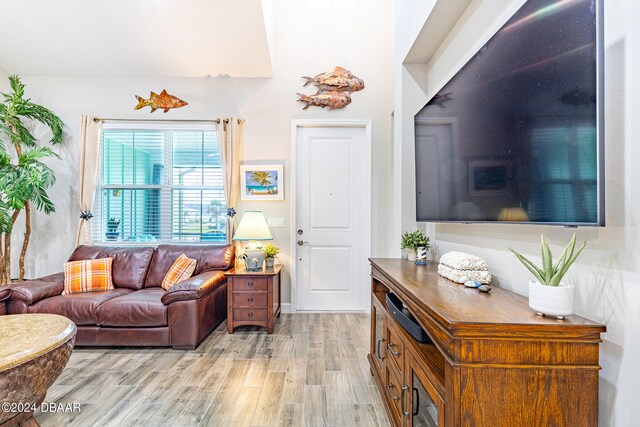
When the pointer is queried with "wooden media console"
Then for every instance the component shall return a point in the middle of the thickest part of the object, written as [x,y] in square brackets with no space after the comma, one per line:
[491,360]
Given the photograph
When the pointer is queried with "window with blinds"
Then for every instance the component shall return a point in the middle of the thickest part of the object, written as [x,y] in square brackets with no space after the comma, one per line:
[160,185]
[564,166]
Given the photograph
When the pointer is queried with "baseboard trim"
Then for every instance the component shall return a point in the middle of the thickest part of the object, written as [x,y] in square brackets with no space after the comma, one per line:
[285,307]
[331,312]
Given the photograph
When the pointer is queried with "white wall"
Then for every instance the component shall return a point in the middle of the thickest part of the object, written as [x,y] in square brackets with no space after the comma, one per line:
[4,82]
[409,19]
[306,42]
[607,274]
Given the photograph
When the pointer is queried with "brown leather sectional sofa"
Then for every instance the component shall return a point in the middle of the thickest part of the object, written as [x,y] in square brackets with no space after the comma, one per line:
[138,312]
[4,294]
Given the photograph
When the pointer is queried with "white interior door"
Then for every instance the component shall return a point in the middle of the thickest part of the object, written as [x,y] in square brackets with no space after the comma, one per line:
[434,142]
[331,235]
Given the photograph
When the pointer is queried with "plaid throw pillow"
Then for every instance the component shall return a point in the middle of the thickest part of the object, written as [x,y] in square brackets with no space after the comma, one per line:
[87,276]
[181,270]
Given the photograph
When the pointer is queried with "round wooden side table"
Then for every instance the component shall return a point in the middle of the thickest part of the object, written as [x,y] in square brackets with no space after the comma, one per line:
[34,349]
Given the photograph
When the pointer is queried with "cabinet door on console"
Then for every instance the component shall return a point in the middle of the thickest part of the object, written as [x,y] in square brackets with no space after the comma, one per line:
[393,389]
[395,347]
[423,406]
[378,341]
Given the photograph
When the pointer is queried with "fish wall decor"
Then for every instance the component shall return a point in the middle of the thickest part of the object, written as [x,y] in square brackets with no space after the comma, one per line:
[332,99]
[164,102]
[334,89]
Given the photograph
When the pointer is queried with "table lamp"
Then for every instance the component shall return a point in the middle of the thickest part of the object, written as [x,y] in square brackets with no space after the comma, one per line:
[253,227]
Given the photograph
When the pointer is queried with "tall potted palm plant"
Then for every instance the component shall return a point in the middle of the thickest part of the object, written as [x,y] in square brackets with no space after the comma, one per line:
[24,177]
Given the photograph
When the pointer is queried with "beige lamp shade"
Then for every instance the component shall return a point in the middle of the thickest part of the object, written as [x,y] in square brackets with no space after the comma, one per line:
[253,226]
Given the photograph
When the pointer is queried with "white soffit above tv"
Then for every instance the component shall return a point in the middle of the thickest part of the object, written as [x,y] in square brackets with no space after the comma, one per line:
[441,20]
[172,38]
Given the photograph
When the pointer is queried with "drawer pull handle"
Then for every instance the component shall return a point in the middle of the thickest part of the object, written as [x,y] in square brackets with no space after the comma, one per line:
[404,389]
[250,315]
[380,356]
[250,299]
[390,348]
[250,284]
[391,394]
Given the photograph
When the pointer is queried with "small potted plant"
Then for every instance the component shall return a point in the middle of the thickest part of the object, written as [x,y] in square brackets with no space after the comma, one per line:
[270,252]
[410,242]
[112,229]
[548,294]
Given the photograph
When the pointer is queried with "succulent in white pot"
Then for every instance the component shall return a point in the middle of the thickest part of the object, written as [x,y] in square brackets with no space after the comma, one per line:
[548,294]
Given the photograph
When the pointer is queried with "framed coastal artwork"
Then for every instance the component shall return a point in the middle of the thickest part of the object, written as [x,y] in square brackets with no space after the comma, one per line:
[261,182]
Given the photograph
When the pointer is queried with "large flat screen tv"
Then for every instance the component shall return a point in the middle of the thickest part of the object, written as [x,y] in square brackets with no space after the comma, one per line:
[517,134]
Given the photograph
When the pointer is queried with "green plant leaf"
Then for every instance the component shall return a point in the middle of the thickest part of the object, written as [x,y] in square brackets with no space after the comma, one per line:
[537,273]
[41,200]
[45,116]
[16,86]
[571,247]
[557,276]
[29,178]
[560,259]
[6,223]
[567,260]
[571,260]
[411,240]
[270,250]
[575,256]
[547,260]
[532,265]
[34,154]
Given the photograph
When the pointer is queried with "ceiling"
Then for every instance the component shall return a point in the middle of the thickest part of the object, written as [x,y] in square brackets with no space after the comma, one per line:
[173,38]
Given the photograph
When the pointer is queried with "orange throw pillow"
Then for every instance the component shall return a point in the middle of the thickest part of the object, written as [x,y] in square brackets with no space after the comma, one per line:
[181,270]
[87,276]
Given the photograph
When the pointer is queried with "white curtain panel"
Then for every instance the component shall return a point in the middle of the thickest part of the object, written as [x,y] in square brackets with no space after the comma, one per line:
[229,136]
[90,130]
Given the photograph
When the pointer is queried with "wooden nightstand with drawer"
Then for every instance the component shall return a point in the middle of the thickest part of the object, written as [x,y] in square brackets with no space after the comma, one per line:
[253,297]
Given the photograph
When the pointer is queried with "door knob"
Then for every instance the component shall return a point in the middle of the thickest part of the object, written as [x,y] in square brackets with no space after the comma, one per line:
[301,242]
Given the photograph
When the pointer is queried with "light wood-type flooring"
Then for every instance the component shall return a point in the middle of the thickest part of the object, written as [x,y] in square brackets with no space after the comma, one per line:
[312,371]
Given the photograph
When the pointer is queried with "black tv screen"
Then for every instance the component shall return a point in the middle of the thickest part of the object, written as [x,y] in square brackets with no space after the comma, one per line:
[516,134]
